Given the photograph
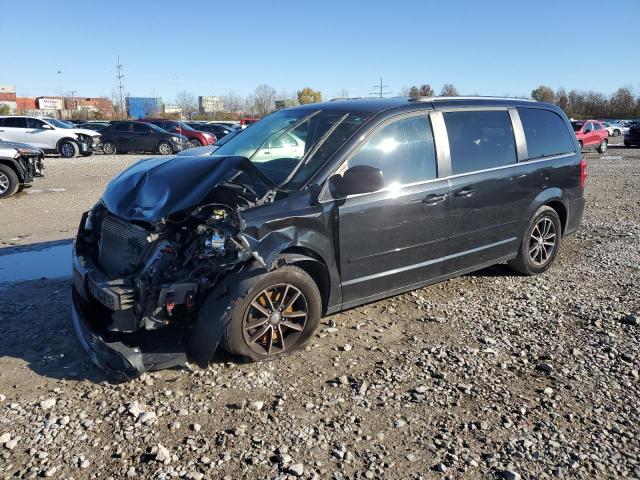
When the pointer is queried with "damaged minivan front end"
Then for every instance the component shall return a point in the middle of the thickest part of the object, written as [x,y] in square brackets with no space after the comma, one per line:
[159,260]
[141,273]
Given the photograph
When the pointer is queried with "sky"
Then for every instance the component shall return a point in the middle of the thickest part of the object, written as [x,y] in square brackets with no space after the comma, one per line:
[211,48]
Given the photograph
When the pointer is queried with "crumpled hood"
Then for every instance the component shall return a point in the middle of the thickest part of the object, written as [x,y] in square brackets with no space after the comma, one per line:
[154,188]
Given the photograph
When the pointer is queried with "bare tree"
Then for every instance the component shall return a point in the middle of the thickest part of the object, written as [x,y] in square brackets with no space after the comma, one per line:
[342,93]
[187,102]
[405,92]
[622,103]
[448,90]
[425,90]
[544,94]
[264,98]
[232,102]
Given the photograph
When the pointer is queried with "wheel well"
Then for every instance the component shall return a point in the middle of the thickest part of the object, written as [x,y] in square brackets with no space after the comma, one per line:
[315,267]
[65,139]
[561,210]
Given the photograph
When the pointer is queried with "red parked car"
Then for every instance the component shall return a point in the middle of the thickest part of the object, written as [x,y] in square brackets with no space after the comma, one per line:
[196,137]
[591,134]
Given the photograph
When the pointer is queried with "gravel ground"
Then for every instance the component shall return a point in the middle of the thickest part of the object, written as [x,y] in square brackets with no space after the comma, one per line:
[490,375]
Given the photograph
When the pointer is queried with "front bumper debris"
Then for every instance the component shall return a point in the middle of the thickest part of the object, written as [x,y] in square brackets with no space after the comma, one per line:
[122,356]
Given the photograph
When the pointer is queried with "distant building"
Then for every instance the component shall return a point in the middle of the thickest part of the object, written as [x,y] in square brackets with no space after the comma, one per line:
[100,105]
[210,104]
[140,107]
[8,97]
[26,105]
[173,110]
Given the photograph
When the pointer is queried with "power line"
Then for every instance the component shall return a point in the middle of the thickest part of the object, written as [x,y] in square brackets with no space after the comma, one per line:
[120,78]
[380,89]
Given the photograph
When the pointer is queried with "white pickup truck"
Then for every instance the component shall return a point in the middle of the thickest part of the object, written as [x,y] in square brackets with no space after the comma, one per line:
[49,134]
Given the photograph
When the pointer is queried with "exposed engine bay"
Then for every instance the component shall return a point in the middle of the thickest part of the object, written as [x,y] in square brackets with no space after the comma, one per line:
[164,270]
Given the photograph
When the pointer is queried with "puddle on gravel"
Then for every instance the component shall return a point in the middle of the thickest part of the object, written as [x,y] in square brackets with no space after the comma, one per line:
[31,262]
[612,157]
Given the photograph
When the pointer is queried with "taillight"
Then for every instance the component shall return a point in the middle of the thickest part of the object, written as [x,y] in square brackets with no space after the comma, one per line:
[583,174]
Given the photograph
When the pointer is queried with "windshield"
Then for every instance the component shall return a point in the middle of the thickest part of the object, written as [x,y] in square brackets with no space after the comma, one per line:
[289,146]
[184,126]
[59,123]
[577,126]
[155,127]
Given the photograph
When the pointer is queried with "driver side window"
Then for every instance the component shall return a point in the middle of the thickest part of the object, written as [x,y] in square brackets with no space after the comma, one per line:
[34,123]
[403,150]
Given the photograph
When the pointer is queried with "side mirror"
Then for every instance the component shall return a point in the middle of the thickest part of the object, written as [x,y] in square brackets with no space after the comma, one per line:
[359,179]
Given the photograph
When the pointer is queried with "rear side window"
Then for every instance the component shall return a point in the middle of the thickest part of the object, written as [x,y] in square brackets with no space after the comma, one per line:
[403,150]
[141,128]
[597,126]
[545,132]
[121,127]
[34,123]
[480,140]
[15,122]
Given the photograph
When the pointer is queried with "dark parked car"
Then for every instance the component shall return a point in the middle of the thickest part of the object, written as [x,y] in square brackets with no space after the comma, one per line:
[140,137]
[632,137]
[196,137]
[19,165]
[383,196]
[215,128]
[95,126]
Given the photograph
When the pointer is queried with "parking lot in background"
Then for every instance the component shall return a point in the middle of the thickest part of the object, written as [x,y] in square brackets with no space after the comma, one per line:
[466,377]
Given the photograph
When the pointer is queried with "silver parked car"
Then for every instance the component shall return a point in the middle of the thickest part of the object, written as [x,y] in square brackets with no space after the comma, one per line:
[19,164]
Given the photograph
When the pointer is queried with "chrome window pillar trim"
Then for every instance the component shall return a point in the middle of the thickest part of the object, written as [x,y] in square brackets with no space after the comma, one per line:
[518,133]
[441,139]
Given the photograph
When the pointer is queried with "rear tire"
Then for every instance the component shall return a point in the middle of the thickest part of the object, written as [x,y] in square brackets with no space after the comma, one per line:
[68,149]
[580,144]
[616,133]
[263,325]
[9,181]
[195,143]
[540,243]
[603,146]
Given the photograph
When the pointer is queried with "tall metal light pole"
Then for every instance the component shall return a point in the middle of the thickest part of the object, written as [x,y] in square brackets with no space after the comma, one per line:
[120,78]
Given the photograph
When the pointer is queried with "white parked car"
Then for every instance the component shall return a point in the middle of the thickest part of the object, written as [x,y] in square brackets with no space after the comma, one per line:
[282,146]
[49,134]
[613,128]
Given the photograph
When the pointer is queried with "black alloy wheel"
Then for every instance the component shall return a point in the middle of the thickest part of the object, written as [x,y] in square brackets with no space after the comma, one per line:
[275,319]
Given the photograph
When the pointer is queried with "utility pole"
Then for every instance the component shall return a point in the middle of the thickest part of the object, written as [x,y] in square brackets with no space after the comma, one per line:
[120,78]
[380,90]
[72,100]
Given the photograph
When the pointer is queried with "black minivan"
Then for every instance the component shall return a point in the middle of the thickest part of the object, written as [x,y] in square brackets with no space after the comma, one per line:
[313,210]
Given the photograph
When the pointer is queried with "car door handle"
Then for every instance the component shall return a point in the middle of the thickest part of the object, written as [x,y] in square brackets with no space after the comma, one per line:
[465,192]
[434,199]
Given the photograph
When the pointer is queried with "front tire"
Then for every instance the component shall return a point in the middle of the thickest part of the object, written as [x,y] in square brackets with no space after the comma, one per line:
[9,181]
[540,243]
[603,146]
[276,316]
[68,149]
[580,145]
[109,148]
[164,148]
